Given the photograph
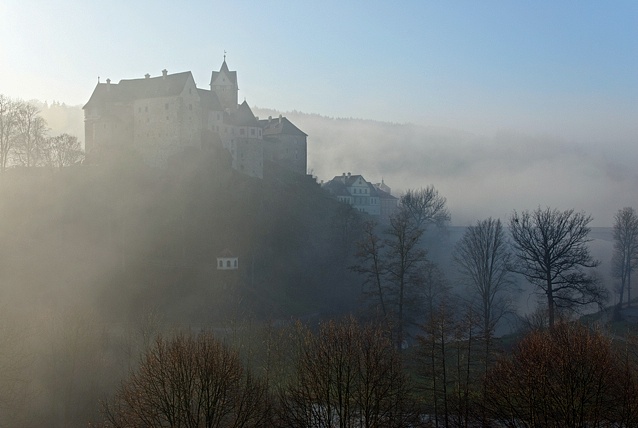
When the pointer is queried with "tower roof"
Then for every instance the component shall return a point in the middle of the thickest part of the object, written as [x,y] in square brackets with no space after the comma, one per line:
[231,75]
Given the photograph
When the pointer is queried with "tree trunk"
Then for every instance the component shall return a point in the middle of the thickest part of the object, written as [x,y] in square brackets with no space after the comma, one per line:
[629,286]
[550,302]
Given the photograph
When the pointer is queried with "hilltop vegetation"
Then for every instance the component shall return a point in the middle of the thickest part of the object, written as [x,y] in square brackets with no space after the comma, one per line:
[127,235]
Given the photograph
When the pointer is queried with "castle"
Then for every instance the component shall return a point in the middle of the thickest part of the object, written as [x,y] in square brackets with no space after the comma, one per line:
[164,115]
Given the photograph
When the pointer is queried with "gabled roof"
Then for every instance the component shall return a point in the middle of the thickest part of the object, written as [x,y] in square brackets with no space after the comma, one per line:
[104,92]
[340,183]
[232,75]
[336,187]
[279,127]
[209,100]
[132,89]
[243,116]
[349,179]
[226,253]
[384,195]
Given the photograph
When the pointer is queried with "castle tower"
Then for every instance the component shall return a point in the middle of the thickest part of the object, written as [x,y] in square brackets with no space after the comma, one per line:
[224,84]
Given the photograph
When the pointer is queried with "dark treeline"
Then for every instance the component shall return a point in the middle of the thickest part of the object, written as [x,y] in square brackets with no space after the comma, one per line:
[97,259]
[106,266]
[110,286]
[347,374]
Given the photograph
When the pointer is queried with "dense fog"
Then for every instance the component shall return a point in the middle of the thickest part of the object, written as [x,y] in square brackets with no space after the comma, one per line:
[97,259]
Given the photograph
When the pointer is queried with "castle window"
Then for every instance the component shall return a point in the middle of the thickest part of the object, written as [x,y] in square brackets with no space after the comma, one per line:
[252,131]
[241,131]
[227,263]
[221,263]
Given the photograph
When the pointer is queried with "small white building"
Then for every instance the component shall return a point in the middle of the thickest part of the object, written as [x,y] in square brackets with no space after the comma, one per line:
[227,261]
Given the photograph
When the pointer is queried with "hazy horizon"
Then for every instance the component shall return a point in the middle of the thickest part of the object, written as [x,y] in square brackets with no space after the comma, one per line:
[500,105]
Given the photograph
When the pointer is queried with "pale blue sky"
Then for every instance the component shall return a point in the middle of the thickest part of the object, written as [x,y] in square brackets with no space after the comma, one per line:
[567,68]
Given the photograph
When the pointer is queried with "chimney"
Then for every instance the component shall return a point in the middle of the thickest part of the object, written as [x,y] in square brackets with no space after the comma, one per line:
[280,119]
[269,119]
[147,76]
[164,73]
[348,174]
[108,84]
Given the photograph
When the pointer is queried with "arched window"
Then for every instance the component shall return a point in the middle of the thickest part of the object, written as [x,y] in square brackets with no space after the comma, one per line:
[227,263]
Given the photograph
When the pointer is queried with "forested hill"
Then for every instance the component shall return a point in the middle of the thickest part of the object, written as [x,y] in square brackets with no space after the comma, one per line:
[121,237]
[480,175]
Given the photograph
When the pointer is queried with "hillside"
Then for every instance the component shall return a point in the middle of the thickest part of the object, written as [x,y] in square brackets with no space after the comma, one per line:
[120,237]
[481,175]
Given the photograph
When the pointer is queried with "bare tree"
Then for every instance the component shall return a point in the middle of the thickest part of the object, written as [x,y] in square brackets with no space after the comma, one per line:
[347,376]
[189,381]
[30,136]
[8,115]
[404,258]
[393,264]
[552,253]
[436,335]
[483,258]
[425,206]
[62,151]
[625,256]
[370,254]
[449,372]
[568,376]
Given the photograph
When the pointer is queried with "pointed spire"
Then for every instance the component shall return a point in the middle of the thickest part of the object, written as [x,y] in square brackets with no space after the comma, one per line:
[224,66]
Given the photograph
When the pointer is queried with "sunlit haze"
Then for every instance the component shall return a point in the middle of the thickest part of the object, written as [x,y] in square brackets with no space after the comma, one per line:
[553,72]
[267,213]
